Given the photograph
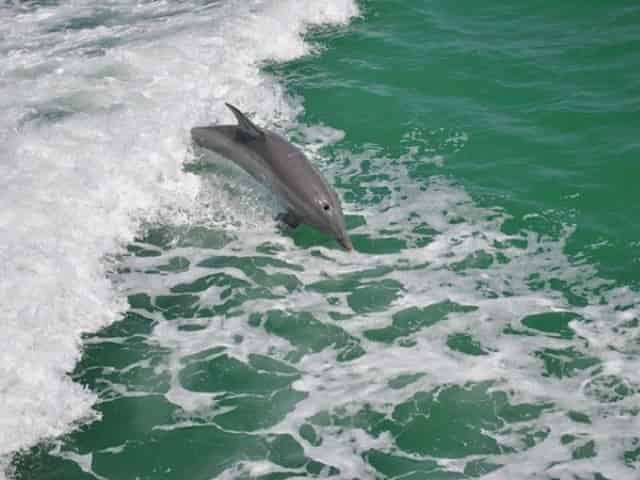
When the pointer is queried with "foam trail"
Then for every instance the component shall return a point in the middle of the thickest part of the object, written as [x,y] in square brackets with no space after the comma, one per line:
[493,286]
[95,107]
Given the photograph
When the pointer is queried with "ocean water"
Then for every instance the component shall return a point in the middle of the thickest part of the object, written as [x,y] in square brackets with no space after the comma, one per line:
[157,324]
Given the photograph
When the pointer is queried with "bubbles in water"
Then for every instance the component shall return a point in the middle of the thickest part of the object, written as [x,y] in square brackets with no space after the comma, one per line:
[97,102]
[458,349]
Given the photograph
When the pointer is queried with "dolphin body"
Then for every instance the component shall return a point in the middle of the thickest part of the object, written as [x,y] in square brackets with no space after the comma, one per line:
[272,160]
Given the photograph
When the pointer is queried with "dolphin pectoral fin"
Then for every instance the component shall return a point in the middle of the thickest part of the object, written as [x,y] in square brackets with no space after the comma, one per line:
[246,126]
[289,218]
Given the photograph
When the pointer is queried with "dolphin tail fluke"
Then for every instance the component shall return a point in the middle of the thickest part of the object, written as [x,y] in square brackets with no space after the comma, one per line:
[247,127]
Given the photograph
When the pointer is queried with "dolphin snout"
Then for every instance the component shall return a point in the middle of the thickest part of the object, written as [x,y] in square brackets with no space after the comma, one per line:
[345,241]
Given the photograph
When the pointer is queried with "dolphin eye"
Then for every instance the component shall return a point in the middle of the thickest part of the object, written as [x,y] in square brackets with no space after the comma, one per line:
[326,207]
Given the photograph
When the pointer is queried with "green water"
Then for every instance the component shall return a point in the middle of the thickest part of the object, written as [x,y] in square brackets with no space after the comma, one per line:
[502,137]
[548,96]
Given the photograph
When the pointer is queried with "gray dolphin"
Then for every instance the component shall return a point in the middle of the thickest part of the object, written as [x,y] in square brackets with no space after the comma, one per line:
[272,160]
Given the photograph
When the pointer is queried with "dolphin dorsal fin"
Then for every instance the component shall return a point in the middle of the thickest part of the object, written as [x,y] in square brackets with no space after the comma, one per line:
[247,127]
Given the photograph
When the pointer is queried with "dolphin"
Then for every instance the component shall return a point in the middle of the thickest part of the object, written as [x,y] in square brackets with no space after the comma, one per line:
[272,160]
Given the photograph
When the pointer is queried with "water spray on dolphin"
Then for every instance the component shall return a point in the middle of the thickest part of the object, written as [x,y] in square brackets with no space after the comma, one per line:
[274,161]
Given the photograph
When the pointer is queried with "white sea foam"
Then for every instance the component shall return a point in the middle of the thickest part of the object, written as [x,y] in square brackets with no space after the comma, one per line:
[94,121]
[517,282]
[103,151]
